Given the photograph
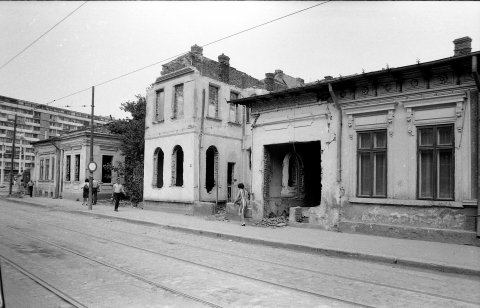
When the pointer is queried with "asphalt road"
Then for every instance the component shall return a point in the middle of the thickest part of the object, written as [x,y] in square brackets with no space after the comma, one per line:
[58,259]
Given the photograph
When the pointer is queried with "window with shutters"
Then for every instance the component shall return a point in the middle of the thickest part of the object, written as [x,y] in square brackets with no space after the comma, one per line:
[234,116]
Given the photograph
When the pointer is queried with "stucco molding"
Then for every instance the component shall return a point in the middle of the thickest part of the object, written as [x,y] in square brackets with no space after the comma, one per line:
[434,100]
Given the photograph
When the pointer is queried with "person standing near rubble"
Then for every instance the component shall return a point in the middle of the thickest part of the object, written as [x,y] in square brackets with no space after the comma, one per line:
[242,201]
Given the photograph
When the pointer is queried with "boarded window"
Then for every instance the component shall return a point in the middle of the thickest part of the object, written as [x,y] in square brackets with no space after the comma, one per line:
[106,168]
[158,158]
[211,168]
[178,102]
[436,162]
[159,105]
[177,166]
[213,101]
[372,164]
[68,165]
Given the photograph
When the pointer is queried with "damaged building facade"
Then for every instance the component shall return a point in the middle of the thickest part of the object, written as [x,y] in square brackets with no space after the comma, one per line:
[391,152]
[197,147]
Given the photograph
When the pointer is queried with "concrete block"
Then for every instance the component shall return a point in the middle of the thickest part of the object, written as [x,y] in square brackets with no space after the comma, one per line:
[203,208]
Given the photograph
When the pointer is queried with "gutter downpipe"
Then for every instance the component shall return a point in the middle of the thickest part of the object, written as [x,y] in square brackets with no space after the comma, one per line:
[200,137]
[476,126]
[339,134]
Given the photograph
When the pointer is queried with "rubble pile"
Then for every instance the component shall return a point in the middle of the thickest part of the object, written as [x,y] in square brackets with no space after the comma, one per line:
[273,222]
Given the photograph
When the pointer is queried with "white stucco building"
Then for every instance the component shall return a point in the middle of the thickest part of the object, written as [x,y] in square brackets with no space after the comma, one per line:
[197,148]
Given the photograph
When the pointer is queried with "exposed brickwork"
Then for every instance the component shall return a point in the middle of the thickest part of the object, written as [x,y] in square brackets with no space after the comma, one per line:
[221,71]
[463,46]
[267,167]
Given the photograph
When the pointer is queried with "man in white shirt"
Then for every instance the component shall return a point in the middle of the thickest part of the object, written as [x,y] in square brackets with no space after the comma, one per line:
[118,192]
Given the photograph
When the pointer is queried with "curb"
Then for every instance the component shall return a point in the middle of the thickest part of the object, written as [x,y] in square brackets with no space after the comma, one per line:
[303,248]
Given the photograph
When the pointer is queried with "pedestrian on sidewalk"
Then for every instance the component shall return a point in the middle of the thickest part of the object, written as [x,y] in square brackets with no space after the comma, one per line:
[30,188]
[242,201]
[96,189]
[118,193]
[86,186]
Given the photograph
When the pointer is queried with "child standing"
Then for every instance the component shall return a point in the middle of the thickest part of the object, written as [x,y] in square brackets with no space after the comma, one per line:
[242,200]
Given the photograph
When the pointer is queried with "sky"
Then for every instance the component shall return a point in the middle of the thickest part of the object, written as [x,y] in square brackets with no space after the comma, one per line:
[104,40]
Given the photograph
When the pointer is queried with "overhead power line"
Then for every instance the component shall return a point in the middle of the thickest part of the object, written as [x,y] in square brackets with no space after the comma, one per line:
[37,39]
[183,53]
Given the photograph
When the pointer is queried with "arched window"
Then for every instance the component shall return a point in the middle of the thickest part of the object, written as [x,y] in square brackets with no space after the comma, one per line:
[177,166]
[158,168]
[211,168]
[292,176]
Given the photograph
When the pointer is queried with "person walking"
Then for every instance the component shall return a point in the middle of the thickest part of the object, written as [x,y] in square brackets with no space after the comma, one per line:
[242,201]
[30,188]
[118,192]
[85,188]
[96,189]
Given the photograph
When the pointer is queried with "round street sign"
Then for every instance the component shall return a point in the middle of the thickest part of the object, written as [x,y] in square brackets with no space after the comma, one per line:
[92,166]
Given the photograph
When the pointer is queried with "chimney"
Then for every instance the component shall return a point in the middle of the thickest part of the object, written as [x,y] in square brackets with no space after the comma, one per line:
[196,50]
[269,82]
[224,67]
[463,46]
[279,73]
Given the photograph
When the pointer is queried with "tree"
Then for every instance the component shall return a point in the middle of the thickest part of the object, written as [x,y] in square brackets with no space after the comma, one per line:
[132,132]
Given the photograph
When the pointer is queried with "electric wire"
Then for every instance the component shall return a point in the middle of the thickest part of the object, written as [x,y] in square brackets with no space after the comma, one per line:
[37,39]
[184,53]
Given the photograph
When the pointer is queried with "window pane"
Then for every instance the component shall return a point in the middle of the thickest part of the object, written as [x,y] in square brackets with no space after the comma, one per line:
[445,174]
[444,135]
[425,136]
[364,176]
[364,141]
[380,181]
[380,139]
[426,174]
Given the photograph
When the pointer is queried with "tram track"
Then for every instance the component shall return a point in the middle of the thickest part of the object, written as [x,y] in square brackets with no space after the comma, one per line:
[153,283]
[59,293]
[90,235]
[259,261]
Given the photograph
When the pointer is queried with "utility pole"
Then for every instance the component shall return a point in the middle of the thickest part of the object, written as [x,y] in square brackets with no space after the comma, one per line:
[13,154]
[90,190]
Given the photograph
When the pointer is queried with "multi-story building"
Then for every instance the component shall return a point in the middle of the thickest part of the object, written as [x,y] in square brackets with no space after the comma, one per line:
[34,122]
[196,149]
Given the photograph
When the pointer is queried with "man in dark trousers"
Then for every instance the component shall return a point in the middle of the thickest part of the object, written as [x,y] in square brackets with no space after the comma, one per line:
[95,188]
[30,188]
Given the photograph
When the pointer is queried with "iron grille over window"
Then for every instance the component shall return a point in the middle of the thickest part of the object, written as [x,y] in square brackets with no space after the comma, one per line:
[436,162]
[372,164]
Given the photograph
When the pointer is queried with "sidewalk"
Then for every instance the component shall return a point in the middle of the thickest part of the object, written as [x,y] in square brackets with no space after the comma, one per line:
[422,254]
